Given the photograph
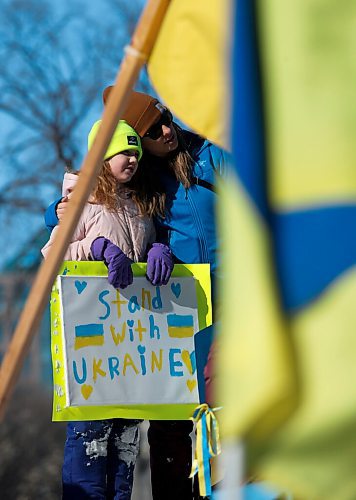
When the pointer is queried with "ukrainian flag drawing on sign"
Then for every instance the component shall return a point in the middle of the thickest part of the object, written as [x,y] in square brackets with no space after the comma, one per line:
[180,326]
[89,335]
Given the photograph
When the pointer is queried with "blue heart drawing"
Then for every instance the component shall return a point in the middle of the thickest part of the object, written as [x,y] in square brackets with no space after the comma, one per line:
[130,323]
[80,286]
[176,289]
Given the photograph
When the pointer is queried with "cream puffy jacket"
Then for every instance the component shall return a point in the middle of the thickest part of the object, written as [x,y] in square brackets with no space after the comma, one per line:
[125,227]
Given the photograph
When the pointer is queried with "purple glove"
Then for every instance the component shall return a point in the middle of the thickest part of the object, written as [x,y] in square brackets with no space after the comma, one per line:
[159,264]
[119,265]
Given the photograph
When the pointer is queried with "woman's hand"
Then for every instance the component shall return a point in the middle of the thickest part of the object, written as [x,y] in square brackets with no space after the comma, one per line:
[160,264]
[62,206]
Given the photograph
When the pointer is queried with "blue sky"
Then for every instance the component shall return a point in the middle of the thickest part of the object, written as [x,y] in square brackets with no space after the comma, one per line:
[18,226]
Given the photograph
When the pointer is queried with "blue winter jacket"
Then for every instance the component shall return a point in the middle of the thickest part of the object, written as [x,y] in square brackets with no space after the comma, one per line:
[189,227]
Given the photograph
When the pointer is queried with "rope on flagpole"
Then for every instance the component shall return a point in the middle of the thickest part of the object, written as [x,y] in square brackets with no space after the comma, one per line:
[130,50]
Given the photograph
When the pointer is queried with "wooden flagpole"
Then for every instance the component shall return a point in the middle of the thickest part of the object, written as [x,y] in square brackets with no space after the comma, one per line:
[137,54]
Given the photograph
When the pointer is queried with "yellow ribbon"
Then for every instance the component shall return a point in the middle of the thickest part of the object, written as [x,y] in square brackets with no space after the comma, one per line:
[207,445]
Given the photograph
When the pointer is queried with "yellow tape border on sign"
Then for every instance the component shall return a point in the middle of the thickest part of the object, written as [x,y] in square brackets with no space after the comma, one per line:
[201,272]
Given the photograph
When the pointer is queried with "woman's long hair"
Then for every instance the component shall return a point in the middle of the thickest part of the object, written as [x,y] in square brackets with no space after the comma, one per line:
[147,188]
[181,163]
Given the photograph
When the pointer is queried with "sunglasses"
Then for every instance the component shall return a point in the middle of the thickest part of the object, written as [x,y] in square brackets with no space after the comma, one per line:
[155,131]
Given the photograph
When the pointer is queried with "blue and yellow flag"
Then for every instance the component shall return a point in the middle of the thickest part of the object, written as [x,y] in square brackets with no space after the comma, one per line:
[293,208]
[288,217]
[189,68]
[257,370]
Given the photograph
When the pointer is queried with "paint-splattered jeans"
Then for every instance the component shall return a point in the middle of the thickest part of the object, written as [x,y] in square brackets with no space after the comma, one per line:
[99,459]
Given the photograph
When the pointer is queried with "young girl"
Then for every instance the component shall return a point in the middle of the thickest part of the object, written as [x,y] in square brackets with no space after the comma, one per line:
[116,226]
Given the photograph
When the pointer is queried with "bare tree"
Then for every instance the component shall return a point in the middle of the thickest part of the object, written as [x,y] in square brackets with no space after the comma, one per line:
[52,71]
[55,62]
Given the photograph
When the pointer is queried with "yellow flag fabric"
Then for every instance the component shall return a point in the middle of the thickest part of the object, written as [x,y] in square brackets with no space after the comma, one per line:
[309,67]
[188,65]
[257,383]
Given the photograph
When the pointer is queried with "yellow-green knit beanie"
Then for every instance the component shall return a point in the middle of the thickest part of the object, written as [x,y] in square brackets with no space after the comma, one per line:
[124,138]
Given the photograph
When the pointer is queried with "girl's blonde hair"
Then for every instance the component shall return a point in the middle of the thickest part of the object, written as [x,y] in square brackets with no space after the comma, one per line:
[106,192]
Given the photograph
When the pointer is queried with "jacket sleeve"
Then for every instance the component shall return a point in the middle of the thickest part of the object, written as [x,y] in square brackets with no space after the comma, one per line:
[51,219]
[87,230]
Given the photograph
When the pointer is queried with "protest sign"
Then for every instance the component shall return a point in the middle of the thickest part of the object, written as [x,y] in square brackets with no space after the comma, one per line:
[126,353]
